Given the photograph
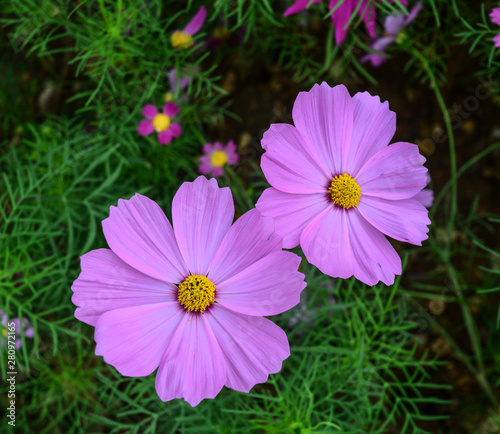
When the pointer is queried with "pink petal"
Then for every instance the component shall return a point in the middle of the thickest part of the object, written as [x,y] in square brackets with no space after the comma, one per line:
[165,137]
[368,14]
[405,220]
[374,126]
[140,234]
[170,109]
[496,40]
[287,164]
[298,6]
[193,366]
[374,258]
[425,197]
[269,286]
[495,15]
[291,212]
[197,21]
[145,128]
[107,283]
[134,339]
[217,171]
[325,242]
[395,172]
[340,18]
[253,347]
[248,240]
[202,214]
[324,117]
[149,111]
[175,130]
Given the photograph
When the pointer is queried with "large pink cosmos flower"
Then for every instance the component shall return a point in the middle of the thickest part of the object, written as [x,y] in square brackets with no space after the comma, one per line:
[341,14]
[337,187]
[160,122]
[189,300]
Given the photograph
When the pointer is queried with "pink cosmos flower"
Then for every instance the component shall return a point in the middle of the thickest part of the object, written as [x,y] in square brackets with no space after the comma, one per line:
[495,18]
[15,324]
[216,156]
[337,188]
[394,25]
[160,122]
[342,14]
[190,300]
[184,38]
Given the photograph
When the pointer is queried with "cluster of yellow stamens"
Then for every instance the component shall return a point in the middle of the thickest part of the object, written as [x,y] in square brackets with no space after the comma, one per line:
[218,158]
[182,39]
[196,293]
[161,122]
[344,191]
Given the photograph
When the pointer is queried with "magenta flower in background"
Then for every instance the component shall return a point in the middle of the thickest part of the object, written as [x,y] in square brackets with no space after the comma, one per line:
[394,25]
[337,188]
[190,300]
[160,122]
[27,330]
[342,14]
[184,38]
[216,156]
[177,84]
[495,18]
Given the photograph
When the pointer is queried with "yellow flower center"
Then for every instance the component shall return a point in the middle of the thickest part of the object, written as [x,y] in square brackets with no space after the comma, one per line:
[161,122]
[344,191]
[218,158]
[168,96]
[4,331]
[196,293]
[182,39]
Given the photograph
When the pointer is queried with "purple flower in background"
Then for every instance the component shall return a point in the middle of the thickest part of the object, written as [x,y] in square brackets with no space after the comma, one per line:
[177,85]
[27,330]
[190,299]
[341,15]
[495,18]
[394,25]
[160,122]
[216,156]
[184,38]
[338,189]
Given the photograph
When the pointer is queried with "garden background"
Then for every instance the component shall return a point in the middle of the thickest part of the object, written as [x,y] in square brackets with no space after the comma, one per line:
[420,356]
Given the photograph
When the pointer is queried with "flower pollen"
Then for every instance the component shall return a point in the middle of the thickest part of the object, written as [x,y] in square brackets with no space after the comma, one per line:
[161,122]
[218,158]
[344,191]
[181,38]
[196,293]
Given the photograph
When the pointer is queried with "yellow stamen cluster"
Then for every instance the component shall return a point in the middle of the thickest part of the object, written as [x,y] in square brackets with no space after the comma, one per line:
[344,191]
[220,33]
[182,39]
[218,158]
[196,293]
[161,122]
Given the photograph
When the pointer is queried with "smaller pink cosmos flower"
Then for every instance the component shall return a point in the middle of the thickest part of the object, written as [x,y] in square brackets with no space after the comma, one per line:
[342,12]
[394,26]
[495,18]
[184,38]
[216,156]
[160,122]
[6,326]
